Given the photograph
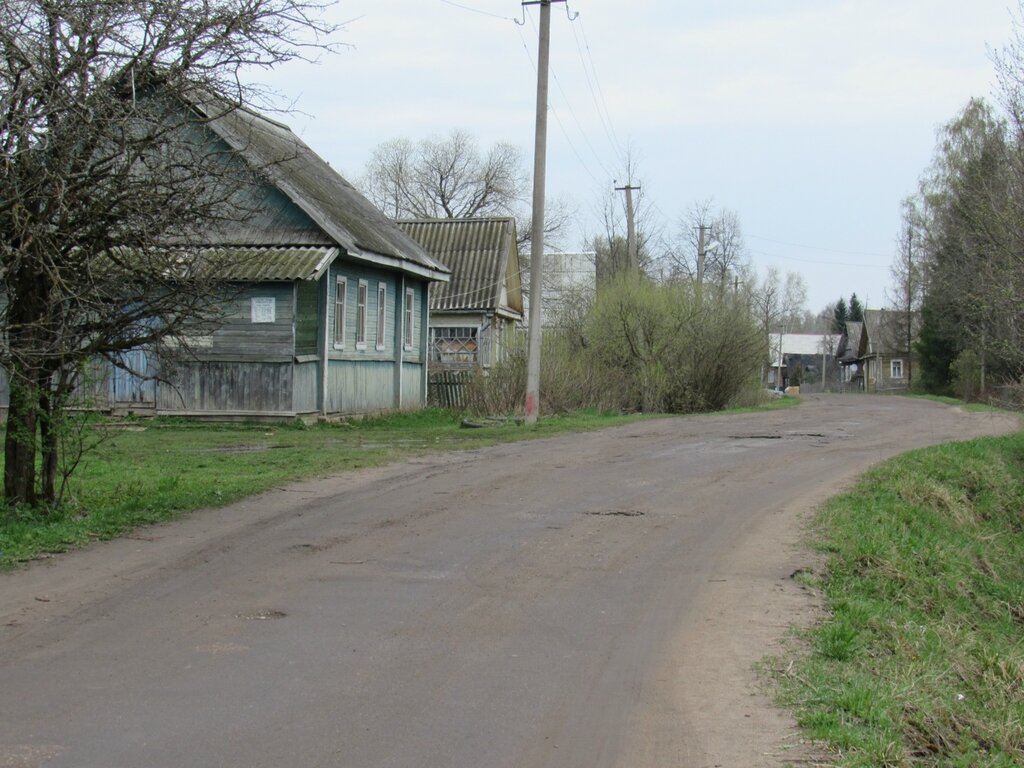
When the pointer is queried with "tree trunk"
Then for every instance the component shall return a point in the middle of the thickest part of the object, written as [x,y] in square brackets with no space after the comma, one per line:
[48,433]
[20,442]
[27,344]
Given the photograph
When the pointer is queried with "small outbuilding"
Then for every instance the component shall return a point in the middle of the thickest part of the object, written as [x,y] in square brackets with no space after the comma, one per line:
[473,317]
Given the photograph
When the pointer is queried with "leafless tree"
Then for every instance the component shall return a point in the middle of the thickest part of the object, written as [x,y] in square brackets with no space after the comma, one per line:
[725,256]
[612,246]
[450,177]
[778,304]
[907,272]
[445,178]
[106,180]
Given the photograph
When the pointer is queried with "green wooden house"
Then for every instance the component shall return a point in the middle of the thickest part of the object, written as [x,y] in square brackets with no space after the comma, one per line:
[330,312]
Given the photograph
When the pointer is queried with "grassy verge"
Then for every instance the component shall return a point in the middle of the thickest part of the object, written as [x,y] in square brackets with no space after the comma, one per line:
[973,407]
[921,660]
[152,471]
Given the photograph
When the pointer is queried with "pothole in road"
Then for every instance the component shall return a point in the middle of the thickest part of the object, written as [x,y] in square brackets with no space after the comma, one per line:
[261,615]
[784,436]
[617,513]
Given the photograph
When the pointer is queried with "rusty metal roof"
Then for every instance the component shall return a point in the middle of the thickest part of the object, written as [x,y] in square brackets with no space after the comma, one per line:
[263,264]
[333,204]
[483,257]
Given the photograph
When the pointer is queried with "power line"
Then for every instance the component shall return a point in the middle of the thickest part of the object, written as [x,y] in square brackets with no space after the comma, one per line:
[477,10]
[604,115]
[558,119]
[817,261]
[819,248]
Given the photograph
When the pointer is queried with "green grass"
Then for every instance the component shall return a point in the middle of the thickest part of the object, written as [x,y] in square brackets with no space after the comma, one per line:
[921,658]
[773,404]
[151,471]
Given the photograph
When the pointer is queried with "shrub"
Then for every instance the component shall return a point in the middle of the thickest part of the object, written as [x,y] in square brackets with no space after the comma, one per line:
[639,346]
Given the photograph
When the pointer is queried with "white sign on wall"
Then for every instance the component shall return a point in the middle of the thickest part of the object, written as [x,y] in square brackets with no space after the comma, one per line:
[263,310]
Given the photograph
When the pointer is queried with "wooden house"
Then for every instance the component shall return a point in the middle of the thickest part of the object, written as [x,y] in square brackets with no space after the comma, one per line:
[329,312]
[878,353]
[473,317]
[889,359]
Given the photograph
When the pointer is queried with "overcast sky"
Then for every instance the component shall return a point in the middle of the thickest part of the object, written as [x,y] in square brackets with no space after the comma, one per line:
[811,119]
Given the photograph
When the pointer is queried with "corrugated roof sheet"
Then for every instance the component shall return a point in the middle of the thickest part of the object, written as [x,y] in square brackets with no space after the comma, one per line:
[321,192]
[477,251]
[262,264]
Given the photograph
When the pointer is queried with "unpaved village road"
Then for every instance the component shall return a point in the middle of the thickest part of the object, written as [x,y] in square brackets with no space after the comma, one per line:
[580,602]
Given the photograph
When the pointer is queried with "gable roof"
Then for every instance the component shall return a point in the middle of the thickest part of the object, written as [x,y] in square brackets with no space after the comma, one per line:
[886,330]
[850,345]
[333,204]
[483,257]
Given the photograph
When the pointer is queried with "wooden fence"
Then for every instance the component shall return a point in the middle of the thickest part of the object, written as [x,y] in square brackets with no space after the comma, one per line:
[447,389]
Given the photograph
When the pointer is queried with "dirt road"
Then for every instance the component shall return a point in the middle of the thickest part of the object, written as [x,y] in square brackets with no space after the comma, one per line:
[586,601]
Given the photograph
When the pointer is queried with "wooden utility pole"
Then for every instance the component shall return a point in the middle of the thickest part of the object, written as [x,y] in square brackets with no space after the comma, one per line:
[537,235]
[632,247]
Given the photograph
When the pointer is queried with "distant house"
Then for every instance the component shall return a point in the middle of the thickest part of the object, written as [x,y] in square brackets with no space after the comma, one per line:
[473,317]
[802,358]
[852,348]
[329,309]
[569,286]
[877,354]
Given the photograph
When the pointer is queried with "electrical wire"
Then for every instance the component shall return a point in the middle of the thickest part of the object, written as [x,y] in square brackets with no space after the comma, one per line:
[558,119]
[599,99]
[817,261]
[477,10]
[820,248]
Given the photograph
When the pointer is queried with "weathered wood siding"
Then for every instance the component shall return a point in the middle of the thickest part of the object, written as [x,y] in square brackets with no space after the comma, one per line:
[412,385]
[419,320]
[239,338]
[360,386]
[307,316]
[353,273]
[305,383]
[229,386]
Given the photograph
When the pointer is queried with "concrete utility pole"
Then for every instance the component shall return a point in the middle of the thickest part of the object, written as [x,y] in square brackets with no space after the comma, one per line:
[537,235]
[702,230]
[632,247]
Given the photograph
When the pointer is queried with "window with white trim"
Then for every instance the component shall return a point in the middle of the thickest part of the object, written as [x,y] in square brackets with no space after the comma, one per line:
[382,307]
[895,369]
[340,295]
[361,299]
[410,307]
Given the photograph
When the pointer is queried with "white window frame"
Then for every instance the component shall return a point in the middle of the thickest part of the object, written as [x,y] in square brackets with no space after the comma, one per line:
[361,311]
[382,314]
[410,318]
[892,368]
[340,308]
